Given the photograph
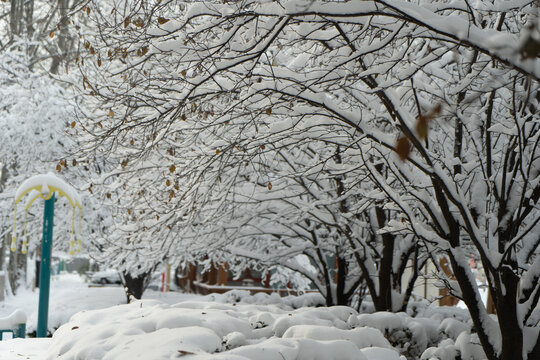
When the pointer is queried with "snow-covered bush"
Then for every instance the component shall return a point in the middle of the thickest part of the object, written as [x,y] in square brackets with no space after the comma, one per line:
[214,330]
[262,327]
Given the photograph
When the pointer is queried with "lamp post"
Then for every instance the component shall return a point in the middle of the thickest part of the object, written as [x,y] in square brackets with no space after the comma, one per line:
[45,187]
[45,267]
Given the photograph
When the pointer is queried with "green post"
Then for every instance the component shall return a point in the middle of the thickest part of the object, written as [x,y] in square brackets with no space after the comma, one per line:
[45,268]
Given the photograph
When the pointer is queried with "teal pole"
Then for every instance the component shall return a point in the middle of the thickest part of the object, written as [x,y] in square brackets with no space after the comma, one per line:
[45,268]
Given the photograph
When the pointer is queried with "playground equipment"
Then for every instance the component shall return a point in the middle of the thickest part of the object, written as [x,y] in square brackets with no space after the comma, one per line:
[13,326]
[46,187]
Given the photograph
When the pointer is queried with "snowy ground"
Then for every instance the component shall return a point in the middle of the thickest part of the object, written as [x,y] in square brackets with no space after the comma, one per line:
[69,295]
[233,326]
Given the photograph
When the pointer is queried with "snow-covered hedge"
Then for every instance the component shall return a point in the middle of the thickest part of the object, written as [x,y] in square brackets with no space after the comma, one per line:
[238,326]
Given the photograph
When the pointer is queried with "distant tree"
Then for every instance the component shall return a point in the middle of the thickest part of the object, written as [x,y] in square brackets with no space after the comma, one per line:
[35,111]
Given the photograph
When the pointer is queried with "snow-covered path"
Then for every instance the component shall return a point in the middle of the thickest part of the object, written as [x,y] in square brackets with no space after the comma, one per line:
[69,295]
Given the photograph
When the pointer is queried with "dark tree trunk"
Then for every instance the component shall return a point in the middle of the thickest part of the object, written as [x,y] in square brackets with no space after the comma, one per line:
[134,286]
[383,300]
[13,271]
[474,305]
[506,305]
[342,298]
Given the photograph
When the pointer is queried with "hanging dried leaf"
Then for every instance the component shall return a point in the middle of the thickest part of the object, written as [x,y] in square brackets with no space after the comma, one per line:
[217,151]
[403,147]
[51,34]
[144,50]
[73,123]
[108,195]
[269,186]
[138,22]
[162,20]
[268,111]
[99,62]
[263,147]
[422,127]
[183,73]
[168,182]
[111,113]
[172,168]
[58,168]
[126,22]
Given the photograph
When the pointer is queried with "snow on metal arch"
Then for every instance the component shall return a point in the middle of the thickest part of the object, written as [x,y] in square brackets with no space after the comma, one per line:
[47,184]
[44,186]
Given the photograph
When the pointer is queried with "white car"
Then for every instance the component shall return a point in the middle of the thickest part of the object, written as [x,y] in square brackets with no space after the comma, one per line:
[109,276]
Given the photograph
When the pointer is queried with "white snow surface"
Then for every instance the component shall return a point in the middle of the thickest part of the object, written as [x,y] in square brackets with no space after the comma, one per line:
[95,323]
[70,294]
[151,329]
[9,322]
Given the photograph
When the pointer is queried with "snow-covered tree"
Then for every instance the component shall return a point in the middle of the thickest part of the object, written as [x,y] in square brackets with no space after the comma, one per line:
[36,110]
[438,99]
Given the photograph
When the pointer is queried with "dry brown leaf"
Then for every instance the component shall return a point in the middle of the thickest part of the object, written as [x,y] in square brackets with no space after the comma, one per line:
[162,20]
[403,147]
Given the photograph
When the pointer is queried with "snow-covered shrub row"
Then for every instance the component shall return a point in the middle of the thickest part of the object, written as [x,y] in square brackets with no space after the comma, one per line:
[238,326]
[243,296]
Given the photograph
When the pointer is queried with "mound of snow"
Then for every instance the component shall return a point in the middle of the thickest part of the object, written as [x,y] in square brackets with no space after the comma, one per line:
[361,337]
[150,329]
[376,353]
[409,335]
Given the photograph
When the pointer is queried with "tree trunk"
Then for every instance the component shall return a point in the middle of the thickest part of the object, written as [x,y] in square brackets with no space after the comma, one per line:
[135,286]
[506,306]
[475,306]
[341,275]
[21,269]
